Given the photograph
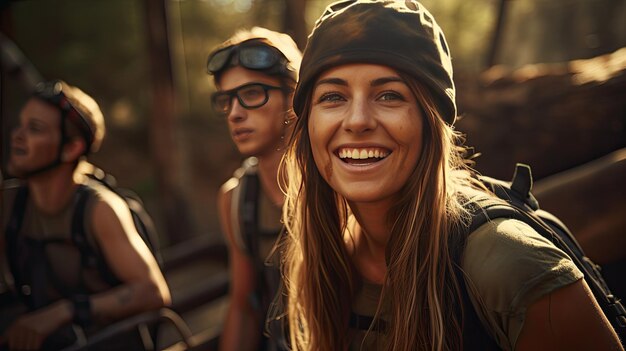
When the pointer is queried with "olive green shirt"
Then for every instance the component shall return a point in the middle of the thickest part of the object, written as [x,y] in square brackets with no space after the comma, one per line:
[508,266]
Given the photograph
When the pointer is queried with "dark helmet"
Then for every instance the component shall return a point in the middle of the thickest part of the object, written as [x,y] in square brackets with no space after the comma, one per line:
[77,108]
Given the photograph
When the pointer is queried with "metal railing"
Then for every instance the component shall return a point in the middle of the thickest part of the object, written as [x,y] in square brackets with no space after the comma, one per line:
[202,292]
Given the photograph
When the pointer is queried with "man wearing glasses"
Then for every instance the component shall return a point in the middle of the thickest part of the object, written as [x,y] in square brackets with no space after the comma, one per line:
[61,287]
[255,73]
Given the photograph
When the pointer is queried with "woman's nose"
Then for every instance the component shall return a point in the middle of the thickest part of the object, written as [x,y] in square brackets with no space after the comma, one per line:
[360,118]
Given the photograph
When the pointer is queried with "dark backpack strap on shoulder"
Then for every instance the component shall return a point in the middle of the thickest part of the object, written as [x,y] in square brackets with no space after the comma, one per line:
[18,211]
[13,229]
[474,333]
[521,205]
[249,213]
[141,218]
[89,256]
[79,238]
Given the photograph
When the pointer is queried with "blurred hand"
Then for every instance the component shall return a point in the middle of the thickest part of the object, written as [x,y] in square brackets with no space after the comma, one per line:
[30,330]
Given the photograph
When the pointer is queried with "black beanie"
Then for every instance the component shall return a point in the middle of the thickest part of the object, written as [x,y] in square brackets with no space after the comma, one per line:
[399,34]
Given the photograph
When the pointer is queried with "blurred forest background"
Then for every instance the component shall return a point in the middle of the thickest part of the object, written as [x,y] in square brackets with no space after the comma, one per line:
[144,62]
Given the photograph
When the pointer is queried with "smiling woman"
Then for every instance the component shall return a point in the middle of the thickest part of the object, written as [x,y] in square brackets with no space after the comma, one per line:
[358,109]
[379,255]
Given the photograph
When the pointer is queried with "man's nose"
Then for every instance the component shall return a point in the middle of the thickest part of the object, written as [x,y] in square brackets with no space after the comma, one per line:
[237,111]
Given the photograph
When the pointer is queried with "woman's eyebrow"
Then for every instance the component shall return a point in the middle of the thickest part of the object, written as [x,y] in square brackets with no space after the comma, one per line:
[385,80]
[373,83]
[332,81]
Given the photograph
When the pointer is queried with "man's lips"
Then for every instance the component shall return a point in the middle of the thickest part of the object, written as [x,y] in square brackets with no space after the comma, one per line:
[241,132]
[18,151]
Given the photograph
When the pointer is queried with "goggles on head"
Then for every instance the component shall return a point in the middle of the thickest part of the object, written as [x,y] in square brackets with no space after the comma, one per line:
[250,54]
[52,93]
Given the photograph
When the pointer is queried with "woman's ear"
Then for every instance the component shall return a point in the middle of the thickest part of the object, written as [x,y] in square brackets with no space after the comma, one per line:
[73,150]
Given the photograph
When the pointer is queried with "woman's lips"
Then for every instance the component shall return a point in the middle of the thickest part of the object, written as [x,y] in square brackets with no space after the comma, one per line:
[362,155]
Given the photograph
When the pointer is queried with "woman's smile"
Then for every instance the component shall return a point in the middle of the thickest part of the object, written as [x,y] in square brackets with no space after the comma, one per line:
[361,155]
[366,126]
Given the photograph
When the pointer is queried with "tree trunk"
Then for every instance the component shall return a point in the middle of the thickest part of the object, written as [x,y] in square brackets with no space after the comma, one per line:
[553,117]
[175,217]
[294,22]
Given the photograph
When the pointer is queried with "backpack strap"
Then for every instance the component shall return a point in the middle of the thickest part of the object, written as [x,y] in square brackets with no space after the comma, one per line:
[247,234]
[249,214]
[474,334]
[78,232]
[39,263]
[249,219]
[12,231]
[142,220]
[89,256]
[521,205]
[364,323]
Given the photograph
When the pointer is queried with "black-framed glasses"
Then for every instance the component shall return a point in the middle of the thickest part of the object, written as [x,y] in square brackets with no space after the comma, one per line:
[52,93]
[251,54]
[250,96]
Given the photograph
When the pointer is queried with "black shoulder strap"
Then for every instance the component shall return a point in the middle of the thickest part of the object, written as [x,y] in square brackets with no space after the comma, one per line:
[88,255]
[39,273]
[79,238]
[521,205]
[475,335]
[13,229]
[249,213]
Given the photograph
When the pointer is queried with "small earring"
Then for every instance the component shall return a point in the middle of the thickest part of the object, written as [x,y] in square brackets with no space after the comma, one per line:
[289,116]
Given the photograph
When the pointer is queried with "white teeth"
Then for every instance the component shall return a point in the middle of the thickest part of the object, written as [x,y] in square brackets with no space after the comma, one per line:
[361,154]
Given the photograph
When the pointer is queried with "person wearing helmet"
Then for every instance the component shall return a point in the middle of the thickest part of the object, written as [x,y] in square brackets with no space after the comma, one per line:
[59,126]
[377,253]
[255,72]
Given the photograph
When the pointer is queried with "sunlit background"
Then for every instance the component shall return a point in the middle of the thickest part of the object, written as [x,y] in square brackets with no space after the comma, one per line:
[520,94]
[103,47]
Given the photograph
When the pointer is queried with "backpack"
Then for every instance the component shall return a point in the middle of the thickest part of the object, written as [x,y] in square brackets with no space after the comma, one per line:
[89,256]
[143,221]
[522,205]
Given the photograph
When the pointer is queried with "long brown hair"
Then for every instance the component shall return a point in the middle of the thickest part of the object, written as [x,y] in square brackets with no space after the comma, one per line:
[420,283]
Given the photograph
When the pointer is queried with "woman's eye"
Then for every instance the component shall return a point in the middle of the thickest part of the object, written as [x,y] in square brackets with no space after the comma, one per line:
[391,96]
[330,97]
